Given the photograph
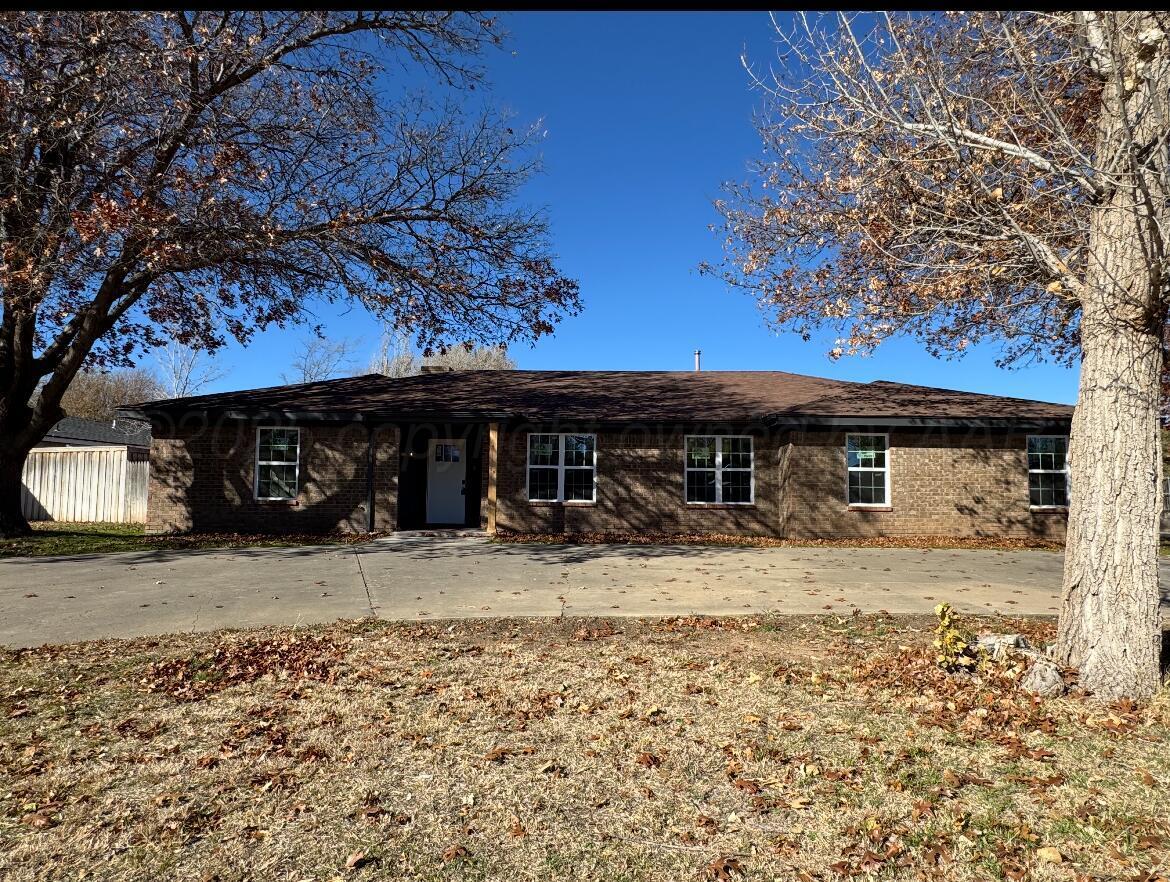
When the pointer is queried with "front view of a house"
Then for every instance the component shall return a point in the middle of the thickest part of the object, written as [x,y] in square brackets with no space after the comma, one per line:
[759,453]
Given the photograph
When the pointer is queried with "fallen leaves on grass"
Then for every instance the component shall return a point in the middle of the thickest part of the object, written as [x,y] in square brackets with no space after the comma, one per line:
[586,633]
[672,624]
[723,539]
[500,752]
[988,700]
[723,869]
[357,860]
[45,816]
[238,660]
[179,541]
[454,852]
[1049,855]
[777,747]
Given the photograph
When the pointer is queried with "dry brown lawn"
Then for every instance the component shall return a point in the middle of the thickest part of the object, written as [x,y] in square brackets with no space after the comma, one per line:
[753,749]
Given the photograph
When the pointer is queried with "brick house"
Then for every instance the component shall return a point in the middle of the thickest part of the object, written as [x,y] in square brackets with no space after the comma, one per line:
[759,453]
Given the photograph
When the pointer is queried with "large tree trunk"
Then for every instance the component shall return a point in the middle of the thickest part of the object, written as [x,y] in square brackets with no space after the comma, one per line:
[21,427]
[1110,626]
[12,520]
[26,416]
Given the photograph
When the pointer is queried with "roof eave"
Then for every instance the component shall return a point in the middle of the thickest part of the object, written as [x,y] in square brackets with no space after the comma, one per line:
[1022,422]
[777,420]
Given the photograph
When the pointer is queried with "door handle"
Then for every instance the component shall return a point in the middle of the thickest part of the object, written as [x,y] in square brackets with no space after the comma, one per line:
[463,487]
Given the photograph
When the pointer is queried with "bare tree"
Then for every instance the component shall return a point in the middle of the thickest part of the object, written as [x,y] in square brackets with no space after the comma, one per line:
[318,358]
[472,358]
[965,176]
[195,175]
[96,396]
[395,358]
[187,371]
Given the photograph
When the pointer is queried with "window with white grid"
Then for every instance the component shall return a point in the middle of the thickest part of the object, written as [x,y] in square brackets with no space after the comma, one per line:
[868,464]
[278,454]
[719,469]
[562,467]
[1048,471]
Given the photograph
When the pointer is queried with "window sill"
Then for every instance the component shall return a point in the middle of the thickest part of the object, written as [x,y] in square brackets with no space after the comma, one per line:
[288,502]
[569,503]
[721,505]
[1041,509]
[870,508]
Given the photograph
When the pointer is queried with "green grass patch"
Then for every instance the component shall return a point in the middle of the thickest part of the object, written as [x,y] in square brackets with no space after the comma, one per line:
[52,538]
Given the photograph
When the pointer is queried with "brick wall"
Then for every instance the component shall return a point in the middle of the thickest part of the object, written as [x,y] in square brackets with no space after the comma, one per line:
[959,483]
[942,482]
[202,478]
[639,488]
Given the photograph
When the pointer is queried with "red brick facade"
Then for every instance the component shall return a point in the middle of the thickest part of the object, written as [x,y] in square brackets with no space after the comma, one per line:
[639,487]
[203,478]
[960,483]
[954,482]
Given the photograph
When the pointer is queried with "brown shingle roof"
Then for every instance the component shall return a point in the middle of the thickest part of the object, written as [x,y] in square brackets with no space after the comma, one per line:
[74,429]
[615,396]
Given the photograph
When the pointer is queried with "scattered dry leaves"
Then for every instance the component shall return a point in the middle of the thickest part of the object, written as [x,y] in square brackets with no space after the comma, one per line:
[723,869]
[806,748]
[236,660]
[723,539]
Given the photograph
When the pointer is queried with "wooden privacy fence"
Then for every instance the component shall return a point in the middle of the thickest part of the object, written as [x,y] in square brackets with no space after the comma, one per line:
[105,484]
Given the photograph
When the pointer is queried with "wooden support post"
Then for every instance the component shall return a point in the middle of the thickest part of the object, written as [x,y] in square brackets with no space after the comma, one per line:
[493,474]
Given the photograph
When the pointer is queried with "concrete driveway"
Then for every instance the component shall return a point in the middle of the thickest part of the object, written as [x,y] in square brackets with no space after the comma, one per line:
[437,577]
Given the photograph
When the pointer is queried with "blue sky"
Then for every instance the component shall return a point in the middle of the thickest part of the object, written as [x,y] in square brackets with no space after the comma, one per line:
[646,114]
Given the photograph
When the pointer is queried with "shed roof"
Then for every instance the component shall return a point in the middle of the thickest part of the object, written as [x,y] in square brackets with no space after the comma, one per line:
[74,430]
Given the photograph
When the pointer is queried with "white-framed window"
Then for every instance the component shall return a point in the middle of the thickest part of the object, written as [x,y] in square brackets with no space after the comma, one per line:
[867,461]
[1048,471]
[719,469]
[278,456]
[445,452]
[562,467]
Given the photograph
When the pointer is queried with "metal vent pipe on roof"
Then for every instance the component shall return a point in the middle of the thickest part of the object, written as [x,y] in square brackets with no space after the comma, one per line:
[698,354]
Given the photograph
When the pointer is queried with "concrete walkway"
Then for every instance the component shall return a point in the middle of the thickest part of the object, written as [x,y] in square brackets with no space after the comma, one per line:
[436,577]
